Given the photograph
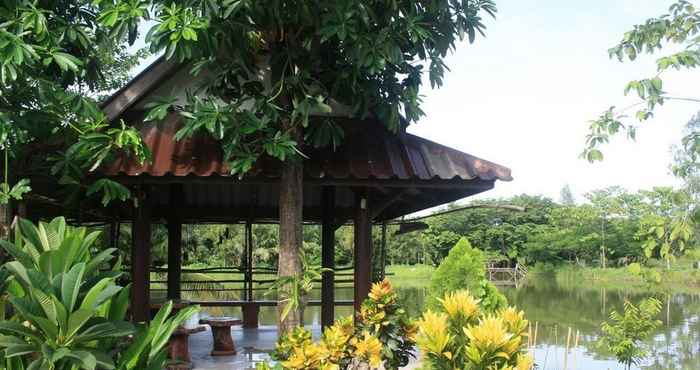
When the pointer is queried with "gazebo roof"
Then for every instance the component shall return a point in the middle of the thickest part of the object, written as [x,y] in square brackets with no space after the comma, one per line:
[406,173]
[399,172]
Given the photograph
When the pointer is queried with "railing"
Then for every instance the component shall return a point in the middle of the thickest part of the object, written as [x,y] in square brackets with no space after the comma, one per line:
[507,275]
[245,285]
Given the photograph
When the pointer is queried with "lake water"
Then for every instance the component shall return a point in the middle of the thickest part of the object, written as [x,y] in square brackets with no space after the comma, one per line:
[556,307]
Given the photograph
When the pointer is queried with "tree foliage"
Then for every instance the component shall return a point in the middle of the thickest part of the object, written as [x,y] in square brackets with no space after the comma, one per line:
[274,66]
[465,268]
[676,30]
[57,61]
[624,332]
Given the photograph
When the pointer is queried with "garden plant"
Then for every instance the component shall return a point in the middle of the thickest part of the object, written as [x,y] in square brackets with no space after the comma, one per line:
[68,308]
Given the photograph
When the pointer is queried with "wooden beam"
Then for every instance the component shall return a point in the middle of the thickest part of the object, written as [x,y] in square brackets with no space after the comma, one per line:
[476,184]
[138,87]
[378,208]
[328,257]
[363,251]
[141,262]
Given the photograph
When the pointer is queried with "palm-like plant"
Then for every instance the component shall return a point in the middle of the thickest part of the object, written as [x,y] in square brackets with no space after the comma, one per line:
[69,311]
[295,289]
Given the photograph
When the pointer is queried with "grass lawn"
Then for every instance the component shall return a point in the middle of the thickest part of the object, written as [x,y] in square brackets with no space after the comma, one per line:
[406,276]
[681,278]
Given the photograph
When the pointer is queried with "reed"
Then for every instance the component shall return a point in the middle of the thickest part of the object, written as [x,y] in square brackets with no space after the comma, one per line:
[566,351]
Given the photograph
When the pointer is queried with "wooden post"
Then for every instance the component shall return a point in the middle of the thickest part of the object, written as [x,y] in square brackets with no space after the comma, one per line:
[328,256]
[114,228]
[383,255]
[141,262]
[363,251]
[175,244]
[174,258]
[248,276]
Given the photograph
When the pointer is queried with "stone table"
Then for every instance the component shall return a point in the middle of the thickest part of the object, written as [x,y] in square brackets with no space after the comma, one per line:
[221,331]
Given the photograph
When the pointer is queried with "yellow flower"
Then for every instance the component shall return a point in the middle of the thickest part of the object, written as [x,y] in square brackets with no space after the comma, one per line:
[411,332]
[334,342]
[369,348]
[491,336]
[525,362]
[461,303]
[432,332]
[514,320]
[381,290]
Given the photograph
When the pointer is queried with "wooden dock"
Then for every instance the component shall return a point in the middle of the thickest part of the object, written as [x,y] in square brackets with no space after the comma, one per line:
[507,275]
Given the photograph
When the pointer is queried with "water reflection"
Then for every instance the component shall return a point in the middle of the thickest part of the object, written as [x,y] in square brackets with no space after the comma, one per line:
[556,306]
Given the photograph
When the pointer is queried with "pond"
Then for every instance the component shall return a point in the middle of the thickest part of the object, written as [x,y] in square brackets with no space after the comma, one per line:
[555,307]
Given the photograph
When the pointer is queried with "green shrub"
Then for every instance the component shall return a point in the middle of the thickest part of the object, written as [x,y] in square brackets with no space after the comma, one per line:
[624,332]
[464,268]
[68,308]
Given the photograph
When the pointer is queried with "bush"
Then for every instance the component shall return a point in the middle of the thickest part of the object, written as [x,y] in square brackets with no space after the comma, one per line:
[69,309]
[624,332]
[464,336]
[464,268]
[382,336]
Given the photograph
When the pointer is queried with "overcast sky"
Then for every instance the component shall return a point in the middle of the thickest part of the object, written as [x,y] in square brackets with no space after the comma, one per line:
[523,96]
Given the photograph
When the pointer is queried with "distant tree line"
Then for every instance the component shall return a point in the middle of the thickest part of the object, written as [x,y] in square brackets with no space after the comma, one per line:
[611,222]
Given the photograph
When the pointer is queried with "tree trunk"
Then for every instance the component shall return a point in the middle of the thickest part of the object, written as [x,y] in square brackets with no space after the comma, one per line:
[290,237]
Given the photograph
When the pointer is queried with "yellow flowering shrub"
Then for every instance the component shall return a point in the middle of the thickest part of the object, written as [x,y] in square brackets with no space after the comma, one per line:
[464,337]
[382,335]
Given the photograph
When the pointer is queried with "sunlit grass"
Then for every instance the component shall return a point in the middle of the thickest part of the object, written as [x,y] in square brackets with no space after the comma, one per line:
[405,276]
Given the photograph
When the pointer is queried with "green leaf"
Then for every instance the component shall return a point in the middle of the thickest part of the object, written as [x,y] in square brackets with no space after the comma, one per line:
[70,286]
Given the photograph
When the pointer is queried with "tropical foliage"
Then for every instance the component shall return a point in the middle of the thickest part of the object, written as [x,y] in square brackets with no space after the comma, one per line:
[58,60]
[381,335]
[463,335]
[624,332]
[293,291]
[69,311]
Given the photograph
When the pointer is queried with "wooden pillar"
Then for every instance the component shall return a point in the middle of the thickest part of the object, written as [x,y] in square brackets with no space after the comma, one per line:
[383,255]
[174,258]
[114,228]
[141,262]
[175,244]
[363,251]
[249,260]
[328,256]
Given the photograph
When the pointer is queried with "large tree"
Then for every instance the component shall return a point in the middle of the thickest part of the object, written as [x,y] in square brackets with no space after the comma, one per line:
[56,61]
[277,71]
[277,67]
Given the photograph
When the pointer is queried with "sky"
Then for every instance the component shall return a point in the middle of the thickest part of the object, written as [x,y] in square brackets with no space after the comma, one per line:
[524,95]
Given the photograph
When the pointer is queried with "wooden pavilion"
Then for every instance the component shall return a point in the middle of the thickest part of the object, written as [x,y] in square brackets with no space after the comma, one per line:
[374,176]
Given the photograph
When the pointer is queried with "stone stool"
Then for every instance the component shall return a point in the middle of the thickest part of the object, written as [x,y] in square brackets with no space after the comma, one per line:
[179,348]
[221,331]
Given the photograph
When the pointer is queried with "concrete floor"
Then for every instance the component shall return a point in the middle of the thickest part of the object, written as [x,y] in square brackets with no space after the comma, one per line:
[253,346]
